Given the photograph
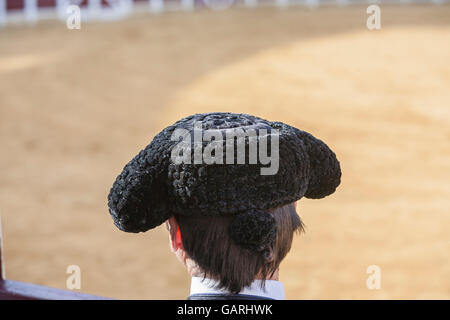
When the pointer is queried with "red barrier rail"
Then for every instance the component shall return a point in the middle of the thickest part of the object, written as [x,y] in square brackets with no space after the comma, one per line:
[20,4]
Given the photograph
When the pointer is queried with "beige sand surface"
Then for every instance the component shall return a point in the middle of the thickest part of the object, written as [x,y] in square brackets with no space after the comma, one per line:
[75,106]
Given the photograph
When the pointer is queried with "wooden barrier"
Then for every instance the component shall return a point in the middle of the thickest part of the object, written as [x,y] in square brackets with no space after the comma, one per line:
[30,11]
[15,290]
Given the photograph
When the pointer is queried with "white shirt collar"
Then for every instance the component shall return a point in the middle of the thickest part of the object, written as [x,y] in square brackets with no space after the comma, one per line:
[273,289]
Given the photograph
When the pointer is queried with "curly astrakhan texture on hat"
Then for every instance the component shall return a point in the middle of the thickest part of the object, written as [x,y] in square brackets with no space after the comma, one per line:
[152,187]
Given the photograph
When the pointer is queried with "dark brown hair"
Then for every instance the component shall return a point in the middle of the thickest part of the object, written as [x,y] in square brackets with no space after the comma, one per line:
[207,241]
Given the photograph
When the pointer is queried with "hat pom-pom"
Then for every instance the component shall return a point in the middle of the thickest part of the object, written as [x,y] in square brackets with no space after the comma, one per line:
[254,229]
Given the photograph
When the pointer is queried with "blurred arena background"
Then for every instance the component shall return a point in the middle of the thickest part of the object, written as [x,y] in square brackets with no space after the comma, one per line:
[76,105]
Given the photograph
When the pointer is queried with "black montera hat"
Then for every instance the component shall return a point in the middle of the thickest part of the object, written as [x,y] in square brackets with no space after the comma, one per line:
[155,184]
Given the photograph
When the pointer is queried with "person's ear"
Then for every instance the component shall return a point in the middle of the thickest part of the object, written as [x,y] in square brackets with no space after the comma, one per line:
[175,234]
